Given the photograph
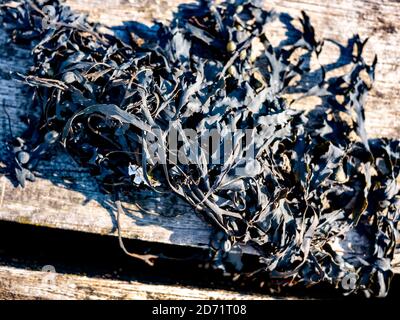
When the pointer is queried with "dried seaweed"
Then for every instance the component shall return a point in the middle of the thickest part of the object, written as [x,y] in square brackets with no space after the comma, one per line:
[301,185]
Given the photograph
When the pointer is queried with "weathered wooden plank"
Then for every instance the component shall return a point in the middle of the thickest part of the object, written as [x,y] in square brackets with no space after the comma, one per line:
[339,20]
[66,197]
[377,20]
[18,283]
[84,209]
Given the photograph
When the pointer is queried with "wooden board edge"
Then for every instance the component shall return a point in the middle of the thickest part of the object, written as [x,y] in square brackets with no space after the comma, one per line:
[22,284]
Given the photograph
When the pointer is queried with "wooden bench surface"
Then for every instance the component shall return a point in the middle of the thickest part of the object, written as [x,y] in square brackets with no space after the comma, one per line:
[66,197]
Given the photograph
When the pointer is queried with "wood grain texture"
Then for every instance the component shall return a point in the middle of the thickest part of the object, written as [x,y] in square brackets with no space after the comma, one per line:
[18,283]
[339,20]
[66,197]
[83,208]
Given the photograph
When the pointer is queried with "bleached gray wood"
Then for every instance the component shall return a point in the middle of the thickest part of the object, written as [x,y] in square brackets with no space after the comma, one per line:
[18,283]
[77,205]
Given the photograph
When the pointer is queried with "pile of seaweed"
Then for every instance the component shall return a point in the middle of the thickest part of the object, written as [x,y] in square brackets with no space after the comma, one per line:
[313,181]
